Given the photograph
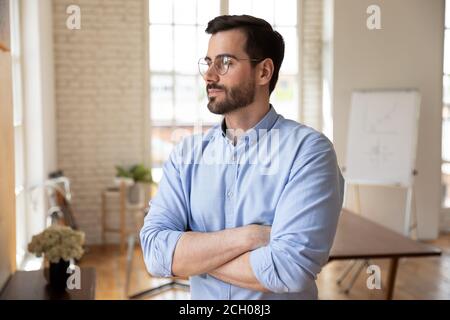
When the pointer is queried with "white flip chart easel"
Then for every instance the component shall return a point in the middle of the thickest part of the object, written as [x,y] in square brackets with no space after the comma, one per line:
[382,142]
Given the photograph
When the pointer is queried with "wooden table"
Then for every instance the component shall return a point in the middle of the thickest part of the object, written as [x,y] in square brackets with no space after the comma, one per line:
[32,285]
[359,238]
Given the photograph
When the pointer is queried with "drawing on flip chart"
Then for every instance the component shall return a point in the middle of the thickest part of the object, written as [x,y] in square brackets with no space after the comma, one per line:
[382,136]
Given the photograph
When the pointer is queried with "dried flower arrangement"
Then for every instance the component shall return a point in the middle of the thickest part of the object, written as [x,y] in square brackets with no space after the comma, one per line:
[58,242]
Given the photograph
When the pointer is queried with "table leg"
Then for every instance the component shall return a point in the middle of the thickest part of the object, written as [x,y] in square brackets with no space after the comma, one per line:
[391,278]
[103,217]
[123,192]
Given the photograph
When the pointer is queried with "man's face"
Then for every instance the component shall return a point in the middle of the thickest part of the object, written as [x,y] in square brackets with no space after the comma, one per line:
[236,88]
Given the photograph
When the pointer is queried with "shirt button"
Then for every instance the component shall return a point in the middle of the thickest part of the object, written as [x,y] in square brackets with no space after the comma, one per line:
[230,194]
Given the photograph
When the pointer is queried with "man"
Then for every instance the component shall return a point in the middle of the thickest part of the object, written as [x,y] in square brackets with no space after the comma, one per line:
[250,209]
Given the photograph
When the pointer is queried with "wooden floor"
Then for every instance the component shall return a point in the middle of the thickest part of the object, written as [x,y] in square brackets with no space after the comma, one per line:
[417,278]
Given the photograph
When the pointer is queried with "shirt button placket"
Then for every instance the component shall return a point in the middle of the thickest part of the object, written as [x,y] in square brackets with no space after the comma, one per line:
[229,194]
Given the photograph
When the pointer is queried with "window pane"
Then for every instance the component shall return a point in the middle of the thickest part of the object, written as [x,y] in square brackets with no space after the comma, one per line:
[206,116]
[203,100]
[261,8]
[286,14]
[240,7]
[16,63]
[446,89]
[161,48]
[21,223]
[18,153]
[447,52]
[17,91]
[446,185]
[264,9]
[446,157]
[161,98]
[202,43]
[160,11]
[447,13]
[15,28]
[285,97]
[164,138]
[290,62]
[185,49]
[185,11]
[162,145]
[186,99]
[206,11]
[446,134]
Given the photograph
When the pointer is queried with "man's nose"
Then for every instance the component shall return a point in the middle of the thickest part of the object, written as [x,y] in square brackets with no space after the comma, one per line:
[211,75]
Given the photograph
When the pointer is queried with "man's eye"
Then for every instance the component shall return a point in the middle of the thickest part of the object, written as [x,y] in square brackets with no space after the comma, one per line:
[226,61]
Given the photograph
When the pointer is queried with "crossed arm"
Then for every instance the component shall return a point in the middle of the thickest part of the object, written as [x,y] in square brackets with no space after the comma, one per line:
[223,254]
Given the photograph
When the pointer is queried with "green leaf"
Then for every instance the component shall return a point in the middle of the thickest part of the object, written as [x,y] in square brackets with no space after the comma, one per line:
[138,172]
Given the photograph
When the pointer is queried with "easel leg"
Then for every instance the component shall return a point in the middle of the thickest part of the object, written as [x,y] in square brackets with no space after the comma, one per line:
[357,199]
[407,226]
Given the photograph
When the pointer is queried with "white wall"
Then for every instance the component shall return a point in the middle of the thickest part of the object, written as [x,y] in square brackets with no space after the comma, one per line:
[406,53]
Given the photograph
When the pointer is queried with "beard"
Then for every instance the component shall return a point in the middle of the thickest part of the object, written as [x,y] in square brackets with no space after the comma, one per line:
[236,97]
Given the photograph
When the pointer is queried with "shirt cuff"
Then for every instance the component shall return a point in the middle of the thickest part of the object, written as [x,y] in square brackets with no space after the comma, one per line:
[264,271]
[165,249]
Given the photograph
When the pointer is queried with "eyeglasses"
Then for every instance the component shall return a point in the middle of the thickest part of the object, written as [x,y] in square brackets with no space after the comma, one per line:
[221,64]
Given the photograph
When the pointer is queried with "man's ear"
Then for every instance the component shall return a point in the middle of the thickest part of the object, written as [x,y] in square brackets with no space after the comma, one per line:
[265,73]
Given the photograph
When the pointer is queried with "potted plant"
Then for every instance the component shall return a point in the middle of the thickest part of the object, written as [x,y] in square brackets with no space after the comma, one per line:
[59,245]
[134,176]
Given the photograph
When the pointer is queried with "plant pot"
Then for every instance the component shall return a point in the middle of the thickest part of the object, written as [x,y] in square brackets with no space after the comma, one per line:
[119,180]
[57,275]
[135,194]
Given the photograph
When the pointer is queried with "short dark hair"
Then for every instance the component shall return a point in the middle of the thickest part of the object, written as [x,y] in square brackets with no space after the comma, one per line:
[262,41]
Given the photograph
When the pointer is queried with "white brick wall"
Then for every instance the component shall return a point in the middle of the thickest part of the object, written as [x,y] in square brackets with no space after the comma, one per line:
[99,72]
[311,62]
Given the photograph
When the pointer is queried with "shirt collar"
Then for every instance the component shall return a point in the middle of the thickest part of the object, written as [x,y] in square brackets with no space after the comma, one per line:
[264,125]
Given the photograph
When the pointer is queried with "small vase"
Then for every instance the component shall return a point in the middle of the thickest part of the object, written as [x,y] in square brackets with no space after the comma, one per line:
[135,194]
[57,275]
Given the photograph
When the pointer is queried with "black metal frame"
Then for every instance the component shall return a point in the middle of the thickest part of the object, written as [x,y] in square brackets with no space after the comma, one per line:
[159,289]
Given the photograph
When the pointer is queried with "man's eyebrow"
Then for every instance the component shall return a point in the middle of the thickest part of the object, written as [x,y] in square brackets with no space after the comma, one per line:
[222,55]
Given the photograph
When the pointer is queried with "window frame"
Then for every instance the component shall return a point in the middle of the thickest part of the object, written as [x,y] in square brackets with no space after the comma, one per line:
[20,158]
[445,210]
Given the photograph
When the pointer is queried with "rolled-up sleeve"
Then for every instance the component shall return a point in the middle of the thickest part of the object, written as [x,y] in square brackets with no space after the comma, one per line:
[305,221]
[166,220]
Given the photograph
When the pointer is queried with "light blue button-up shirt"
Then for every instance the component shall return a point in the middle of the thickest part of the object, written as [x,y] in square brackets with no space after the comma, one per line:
[279,173]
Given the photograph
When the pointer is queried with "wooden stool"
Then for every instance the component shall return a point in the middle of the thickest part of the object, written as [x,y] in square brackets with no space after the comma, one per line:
[124,208]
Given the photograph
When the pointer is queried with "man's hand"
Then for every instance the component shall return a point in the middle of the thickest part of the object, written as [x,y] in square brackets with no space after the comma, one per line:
[201,252]
[258,236]
[238,271]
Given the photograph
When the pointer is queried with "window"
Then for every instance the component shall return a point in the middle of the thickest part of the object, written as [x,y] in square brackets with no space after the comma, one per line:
[19,144]
[282,15]
[177,40]
[177,95]
[446,112]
